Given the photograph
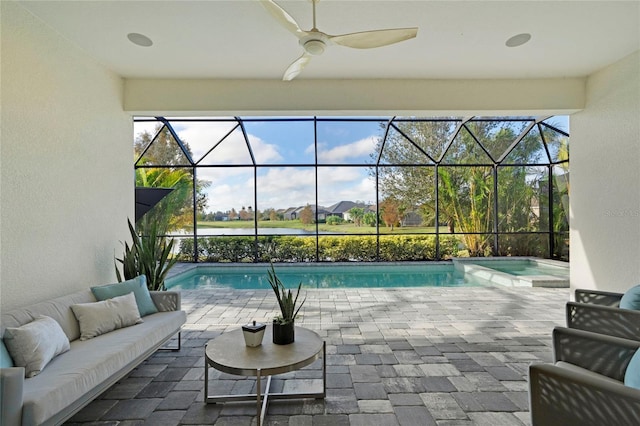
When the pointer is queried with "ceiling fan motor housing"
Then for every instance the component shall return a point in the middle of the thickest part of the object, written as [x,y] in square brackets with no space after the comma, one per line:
[314,47]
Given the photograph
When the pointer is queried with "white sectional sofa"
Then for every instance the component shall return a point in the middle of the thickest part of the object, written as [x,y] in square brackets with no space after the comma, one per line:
[74,378]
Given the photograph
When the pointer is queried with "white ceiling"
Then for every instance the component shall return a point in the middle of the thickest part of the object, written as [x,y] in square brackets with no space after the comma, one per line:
[456,39]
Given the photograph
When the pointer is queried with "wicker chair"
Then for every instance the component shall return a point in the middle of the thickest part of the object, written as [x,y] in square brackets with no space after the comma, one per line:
[585,385]
[598,312]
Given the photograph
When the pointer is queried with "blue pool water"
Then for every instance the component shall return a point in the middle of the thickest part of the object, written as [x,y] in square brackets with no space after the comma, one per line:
[526,267]
[323,276]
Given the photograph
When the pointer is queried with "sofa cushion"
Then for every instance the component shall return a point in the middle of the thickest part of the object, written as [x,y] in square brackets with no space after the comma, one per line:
[59,309]
[92,366]
[632,374]
[5,359]
[137,285]
[102,317]
[631,299]
[33,345]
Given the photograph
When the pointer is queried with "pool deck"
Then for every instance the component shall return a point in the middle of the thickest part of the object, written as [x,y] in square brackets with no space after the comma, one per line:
[412,356]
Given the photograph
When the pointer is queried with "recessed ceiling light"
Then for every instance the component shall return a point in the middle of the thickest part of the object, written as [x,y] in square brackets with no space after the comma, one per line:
[518,40]
[139,39]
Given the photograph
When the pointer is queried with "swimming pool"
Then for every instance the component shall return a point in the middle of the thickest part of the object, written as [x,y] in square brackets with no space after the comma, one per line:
[351,275]
[252,276]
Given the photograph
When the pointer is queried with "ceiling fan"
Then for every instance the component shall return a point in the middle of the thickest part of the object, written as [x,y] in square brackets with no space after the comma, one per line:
[314,42]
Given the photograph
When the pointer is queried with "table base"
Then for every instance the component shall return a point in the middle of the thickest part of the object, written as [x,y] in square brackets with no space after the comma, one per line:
[262,398]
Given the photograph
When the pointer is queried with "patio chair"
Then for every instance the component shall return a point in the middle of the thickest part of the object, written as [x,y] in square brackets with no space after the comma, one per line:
[597,297]
[586,385]
[600,312]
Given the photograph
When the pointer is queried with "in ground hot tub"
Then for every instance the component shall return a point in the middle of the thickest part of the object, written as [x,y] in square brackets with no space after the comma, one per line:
[516,271]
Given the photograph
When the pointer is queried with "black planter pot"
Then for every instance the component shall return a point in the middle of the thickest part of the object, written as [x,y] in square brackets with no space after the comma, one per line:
[283,334]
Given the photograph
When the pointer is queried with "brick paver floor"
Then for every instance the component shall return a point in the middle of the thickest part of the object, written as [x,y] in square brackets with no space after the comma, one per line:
[405,356]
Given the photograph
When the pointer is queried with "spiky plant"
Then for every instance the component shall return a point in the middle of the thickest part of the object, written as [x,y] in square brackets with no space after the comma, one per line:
[148,255]
[286,301]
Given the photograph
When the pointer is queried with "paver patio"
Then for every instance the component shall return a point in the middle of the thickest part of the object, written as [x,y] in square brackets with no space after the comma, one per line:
[408,356]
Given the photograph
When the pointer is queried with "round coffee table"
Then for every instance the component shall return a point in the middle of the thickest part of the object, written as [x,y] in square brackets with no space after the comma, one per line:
[229,354]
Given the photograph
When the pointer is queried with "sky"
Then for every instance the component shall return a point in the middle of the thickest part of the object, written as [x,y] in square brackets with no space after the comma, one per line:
[286,150]
[279,145]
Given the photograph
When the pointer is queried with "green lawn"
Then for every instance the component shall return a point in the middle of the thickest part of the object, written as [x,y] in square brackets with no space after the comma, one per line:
[346,228]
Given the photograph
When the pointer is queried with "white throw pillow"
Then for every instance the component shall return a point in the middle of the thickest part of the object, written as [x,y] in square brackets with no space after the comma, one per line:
[34,344]
[105,316]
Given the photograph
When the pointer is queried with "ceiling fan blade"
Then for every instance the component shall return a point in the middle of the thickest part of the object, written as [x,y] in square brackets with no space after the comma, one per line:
[376,38]
[296,67]
[283,17]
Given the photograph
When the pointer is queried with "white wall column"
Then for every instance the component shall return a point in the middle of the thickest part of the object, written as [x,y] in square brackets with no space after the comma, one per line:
[605,181]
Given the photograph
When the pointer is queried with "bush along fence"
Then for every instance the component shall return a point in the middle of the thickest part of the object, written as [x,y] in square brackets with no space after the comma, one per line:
[330,248]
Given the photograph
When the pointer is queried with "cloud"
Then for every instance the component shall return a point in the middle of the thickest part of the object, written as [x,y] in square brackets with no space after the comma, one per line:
[202,136]
[360,148]
[264,152]
[140,127]
[281,187]
[345,184]
[232,193]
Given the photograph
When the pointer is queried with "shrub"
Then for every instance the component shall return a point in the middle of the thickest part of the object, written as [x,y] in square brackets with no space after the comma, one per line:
[334,220]
[347,248]
[334,248]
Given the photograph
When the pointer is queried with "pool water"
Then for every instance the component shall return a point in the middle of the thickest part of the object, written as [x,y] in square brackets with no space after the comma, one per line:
[323,276]
[525,267]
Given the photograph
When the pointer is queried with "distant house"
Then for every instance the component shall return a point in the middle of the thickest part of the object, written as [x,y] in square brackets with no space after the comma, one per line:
[322,213]
[290,213]
[293,213]
[411,218]
[341,209]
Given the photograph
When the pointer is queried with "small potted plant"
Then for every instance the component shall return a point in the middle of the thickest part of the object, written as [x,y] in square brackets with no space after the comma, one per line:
[283,324]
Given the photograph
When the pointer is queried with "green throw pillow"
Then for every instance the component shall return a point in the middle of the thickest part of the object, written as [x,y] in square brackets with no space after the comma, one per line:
[137,285]
[632,375]
[5,359]
[631,299]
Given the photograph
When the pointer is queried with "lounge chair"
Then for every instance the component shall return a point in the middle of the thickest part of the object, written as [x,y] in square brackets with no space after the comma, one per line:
[599,312]
[586,385]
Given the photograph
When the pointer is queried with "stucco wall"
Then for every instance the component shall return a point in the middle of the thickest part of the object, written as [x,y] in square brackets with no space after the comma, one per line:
[552,96]
[605,180]
[66,178]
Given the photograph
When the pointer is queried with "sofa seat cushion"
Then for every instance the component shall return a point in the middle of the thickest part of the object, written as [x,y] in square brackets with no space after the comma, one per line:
[91,366]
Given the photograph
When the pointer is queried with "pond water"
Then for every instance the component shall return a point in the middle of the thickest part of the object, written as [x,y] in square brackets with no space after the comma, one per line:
[261,231]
